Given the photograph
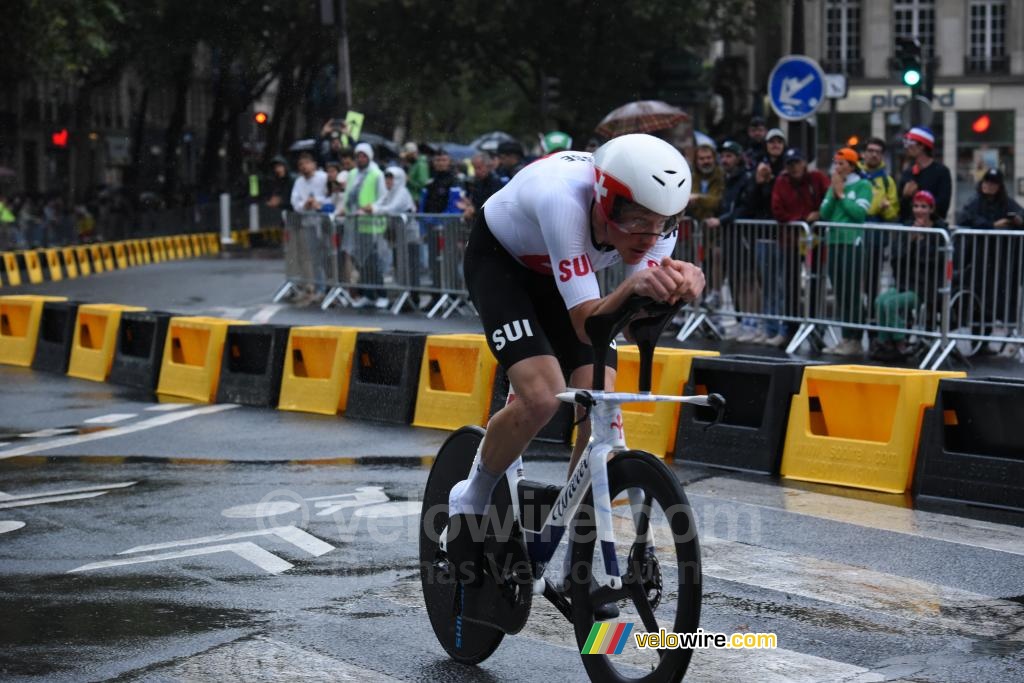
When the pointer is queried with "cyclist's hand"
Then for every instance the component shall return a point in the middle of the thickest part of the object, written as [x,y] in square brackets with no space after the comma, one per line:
[692,283]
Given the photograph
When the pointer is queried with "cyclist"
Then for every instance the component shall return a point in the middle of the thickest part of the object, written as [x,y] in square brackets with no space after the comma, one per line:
[530,270]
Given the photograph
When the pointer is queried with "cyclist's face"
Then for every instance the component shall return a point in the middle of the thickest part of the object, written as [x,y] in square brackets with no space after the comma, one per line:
[636,229]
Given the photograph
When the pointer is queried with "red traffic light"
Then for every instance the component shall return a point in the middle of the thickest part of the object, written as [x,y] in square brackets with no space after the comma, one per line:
[981,124]
[60,138]
[260,117]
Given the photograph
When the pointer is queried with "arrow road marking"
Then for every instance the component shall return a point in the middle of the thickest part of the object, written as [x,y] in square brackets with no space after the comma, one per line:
[364,495]
[291,534]
[10,526]
[791,86]
[8,501]
[247,550]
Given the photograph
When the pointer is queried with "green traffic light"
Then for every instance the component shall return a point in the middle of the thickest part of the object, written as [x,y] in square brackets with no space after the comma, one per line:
[911,77]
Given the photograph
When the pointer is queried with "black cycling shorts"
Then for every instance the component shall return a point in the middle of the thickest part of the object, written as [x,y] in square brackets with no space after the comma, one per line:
[523,313]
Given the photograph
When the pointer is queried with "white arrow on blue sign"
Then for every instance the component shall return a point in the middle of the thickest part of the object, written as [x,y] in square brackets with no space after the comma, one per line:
[796,87]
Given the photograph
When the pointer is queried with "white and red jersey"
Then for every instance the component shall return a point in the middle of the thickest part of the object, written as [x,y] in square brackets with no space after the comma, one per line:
[542,218]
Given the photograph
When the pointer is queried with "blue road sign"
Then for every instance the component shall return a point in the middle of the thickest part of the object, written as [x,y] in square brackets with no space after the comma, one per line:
[796,87]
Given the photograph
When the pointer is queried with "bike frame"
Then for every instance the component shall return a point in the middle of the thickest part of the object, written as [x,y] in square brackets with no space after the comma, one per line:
[591,473]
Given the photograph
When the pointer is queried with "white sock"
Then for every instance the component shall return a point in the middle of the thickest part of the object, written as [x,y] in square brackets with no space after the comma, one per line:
[471,496]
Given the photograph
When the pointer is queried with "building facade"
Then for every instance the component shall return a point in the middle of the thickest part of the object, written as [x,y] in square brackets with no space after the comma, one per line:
[978,102]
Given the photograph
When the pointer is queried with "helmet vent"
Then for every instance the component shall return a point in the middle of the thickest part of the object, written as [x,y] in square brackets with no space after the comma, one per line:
[659,180]
[669,170]
[681,182]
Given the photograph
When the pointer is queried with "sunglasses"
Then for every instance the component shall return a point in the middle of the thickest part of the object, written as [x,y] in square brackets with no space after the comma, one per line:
[638,227]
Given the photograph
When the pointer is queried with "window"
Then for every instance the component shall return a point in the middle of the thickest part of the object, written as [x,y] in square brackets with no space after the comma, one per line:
[842,36]
[987,36]
[915,19]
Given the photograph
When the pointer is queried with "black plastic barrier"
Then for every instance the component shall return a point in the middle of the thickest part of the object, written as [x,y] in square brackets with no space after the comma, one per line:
[971,448]
[558,430]
[758,391]
[140,349]
[385,376]
[252,365]
[56,332]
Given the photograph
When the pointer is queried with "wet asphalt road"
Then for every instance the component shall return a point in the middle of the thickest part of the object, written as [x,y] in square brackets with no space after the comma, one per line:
[132,545]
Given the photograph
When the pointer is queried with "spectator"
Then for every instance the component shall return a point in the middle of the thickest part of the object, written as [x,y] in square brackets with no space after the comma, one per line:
[885,208]
[592,145]
[994,270]
[481,186]
[309,191]
[766,169]
[335,187]
[847,201]
[739,259]
[8,224]
[924,173]
[364,186]
[796,197]
[442,194]
[756,131]
[348,162]
[510,160]
[333,137]
[279,188]
[917,271]
[398,206]
[991,206]
[416,168]
[708,185]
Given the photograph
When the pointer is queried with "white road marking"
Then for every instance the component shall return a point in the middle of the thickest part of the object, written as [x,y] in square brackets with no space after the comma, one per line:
[46,433]
[117,431]
[247,550]
[841,584]
[6,527]
[9,501]
[265,313]
[399,509]
[768,666]
[364,495]
[264,509]
[4,443]
[962,531]
[110,419]
[297,537]
[168,407]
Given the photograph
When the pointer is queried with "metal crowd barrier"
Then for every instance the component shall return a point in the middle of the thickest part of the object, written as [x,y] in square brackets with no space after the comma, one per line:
[987,299]
[397,258]
[880,278]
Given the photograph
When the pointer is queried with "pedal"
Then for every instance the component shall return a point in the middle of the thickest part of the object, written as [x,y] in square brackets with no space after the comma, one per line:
[464,547]
[503,594]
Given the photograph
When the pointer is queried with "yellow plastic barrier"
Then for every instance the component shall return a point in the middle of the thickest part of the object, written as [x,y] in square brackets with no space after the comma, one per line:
[108,256]
[143,249]
[10,264]
[171,248]
[198,249]
[456,381]
[96,254]
[186,244]
[134,256]
[317,365]
[82,255]
[157,249]
[52,259]
[121,255]
[858,425]
[33,266]
[212,243]
[19,327]
[652,426]
[67,254]
[240,237]
[192,356]
[95,340]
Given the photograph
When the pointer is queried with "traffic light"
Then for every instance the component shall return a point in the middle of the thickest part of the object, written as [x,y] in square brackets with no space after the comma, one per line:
[981,124]
[907,62]
[260,118]
[60,138]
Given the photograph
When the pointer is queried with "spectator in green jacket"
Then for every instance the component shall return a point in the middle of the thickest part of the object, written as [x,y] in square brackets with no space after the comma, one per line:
[417,168]
[846,202]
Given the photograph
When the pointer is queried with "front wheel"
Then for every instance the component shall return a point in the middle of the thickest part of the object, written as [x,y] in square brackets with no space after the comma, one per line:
[469,644]
[659,562]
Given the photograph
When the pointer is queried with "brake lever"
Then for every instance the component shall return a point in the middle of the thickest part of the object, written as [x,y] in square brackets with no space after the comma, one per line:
[585,399]
[717,402]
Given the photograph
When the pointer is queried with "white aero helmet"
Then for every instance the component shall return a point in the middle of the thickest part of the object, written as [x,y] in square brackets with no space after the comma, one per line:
[642,169]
